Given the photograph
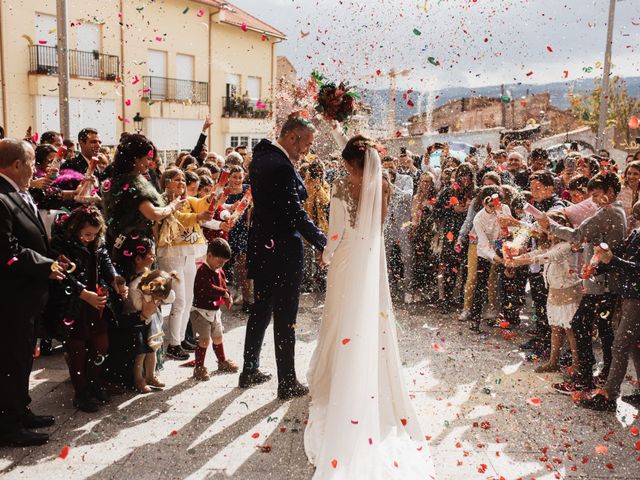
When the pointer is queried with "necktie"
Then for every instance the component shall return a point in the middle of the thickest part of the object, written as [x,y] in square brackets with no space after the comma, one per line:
[26,196]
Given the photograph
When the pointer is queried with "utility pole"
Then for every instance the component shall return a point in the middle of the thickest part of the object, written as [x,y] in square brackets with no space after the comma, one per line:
[64,94]
[503,107]
[604,93]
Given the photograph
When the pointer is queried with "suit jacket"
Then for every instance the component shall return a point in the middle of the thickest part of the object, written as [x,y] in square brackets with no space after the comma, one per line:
[279,222]
[197,150]
[24,265]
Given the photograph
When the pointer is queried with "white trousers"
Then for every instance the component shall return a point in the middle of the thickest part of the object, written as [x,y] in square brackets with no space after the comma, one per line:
[175,325]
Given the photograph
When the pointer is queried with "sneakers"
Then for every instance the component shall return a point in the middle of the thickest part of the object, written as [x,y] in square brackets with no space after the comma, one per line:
[176,352]
[287,392]
[249,379]
[227,366]
[569,388]
[188,346]
[599,402]
[201,374]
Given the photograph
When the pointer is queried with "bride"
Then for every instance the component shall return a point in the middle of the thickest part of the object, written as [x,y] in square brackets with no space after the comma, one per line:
[361,422]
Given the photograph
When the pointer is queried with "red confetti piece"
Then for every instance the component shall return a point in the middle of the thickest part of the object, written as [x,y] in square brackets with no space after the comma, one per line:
[334,237]
[437,347]
[535,401]
[42,42]
[638,445]
[354,422]
[395,464]
[566,73]
[264,448]
[283,429]
[127,103]
[450,236]
[549,49]
[453,201]
[263,37]
[200,13]
[64,452]
[370,441]
[345,341]
[634,431]
[243,27]
[135,80]
[173,433]
[410,103]
[334,463]
[403,421]
[610,466]
[270,245]
[529,74]
[419,448]
[255,435]
[485,425]
[11,261]
[482,468]
[504,324]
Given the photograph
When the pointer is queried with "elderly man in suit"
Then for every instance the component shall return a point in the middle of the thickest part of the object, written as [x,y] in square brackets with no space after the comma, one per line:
[276,252]
[25,271]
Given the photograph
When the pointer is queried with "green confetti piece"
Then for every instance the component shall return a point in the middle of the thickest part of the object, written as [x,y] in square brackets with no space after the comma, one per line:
[498,381]
[185,10]
[486,391]
[505,98]
[272,419]
[433,61]
[417,32]
[446,423]
[245,404]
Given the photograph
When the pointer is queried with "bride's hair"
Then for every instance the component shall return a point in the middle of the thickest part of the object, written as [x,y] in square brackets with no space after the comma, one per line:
[355,149]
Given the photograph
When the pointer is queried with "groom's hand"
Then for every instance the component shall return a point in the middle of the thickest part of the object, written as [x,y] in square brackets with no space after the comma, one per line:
[319,260]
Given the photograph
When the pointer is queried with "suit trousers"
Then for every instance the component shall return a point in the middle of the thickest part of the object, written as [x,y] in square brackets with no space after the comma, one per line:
[539,293]
[626,343]
[17,344]
[598,309]
[276,294]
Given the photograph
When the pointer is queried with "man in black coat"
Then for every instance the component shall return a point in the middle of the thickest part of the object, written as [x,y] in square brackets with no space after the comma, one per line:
[89,143]
[276,252]
[25,271]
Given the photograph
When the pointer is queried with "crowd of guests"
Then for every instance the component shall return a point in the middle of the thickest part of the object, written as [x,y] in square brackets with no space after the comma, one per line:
[127,262]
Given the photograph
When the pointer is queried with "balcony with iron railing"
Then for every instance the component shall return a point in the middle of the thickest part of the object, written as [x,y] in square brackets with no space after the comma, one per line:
[43,60]
[244,107]
[157,89]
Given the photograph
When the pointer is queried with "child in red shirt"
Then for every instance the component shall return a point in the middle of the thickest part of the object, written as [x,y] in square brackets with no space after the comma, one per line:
[209,293]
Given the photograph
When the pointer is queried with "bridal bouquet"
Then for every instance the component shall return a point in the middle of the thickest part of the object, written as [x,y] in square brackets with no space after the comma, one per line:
[334,102]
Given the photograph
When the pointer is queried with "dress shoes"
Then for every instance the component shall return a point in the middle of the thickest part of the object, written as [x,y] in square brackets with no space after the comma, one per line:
[285,392]
[22,437]
[30,420]
[249,379]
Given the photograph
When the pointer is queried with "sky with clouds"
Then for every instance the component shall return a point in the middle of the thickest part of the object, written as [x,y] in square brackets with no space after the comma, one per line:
[477,42]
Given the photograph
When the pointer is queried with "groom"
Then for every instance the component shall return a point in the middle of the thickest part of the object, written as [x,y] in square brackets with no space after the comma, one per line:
[276,252]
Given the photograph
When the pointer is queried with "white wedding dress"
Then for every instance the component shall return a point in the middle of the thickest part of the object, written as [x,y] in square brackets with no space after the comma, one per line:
[361,425]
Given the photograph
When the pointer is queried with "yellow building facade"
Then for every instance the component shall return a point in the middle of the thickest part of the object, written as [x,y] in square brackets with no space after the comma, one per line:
[168,62]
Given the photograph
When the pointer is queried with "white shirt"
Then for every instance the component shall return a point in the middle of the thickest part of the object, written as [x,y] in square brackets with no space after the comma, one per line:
[488,231]
[275,142]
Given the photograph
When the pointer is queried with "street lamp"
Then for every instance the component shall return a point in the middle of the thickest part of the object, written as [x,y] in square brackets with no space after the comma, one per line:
[604,92]
[137,122]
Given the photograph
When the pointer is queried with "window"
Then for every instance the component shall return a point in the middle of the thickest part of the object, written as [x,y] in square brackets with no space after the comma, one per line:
[158,74]
[46,30]
[254,142]
[233,84]
[184,76]
[87,64]
[244,140]
[253,88]
[234,141]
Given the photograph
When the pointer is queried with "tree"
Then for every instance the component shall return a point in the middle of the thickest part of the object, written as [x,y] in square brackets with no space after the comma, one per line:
[621,106]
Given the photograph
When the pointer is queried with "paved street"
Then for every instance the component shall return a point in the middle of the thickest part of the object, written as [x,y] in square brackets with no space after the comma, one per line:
[473,394]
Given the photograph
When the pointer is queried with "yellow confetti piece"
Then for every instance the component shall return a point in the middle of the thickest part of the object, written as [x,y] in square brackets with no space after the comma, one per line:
[28,39]
[384,315]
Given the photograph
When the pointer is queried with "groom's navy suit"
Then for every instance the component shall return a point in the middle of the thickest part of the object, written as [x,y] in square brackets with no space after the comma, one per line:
[276,255]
